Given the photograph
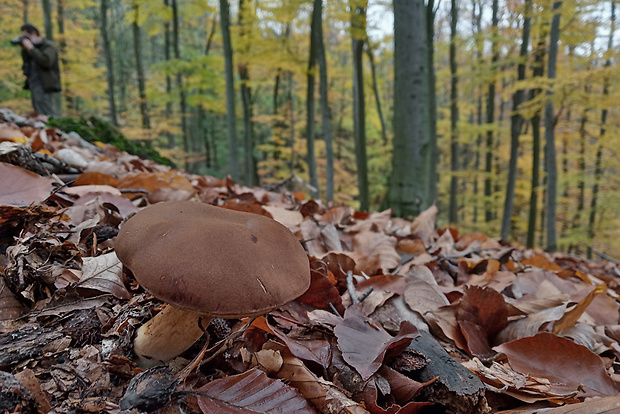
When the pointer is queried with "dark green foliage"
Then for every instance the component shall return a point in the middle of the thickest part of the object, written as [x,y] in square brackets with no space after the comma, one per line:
[96,129]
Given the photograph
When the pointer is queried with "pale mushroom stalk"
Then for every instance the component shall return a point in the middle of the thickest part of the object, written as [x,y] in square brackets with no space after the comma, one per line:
[168,334]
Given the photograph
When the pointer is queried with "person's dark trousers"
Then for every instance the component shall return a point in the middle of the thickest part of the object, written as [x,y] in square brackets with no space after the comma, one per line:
[43,103]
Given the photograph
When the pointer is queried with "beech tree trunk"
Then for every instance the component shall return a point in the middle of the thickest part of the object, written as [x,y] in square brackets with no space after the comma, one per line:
[477,18]
[432,160]
[358,38]
[105,41]
[598,164]
[488,164]
[137,47]
[251,175]
[230,90]
[408,191]
[47,19]
[516,124]
[325,113]
[187,147]
[454,117]
[310,104]
[375,89]
[550,153]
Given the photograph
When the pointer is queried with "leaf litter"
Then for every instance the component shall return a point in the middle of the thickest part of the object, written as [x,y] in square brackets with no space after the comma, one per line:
[457,323]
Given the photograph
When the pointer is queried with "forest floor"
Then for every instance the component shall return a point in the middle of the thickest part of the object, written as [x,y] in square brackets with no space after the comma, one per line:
[400,317]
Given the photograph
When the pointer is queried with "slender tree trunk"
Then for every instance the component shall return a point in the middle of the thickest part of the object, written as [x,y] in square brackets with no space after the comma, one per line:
[251,175]
[310,104]
[488,165]
[408,192]
[358,38]
[187,145]
[454,117]
[230,89]
[477,18]
[598,164]
[167,46]
[62,48]
[47,19]
[538,71]
[550,153]
[432,160]
[375,89]
[291,108]
[325,113]
[516,124]
[25,4]
[105,40]
[137,44]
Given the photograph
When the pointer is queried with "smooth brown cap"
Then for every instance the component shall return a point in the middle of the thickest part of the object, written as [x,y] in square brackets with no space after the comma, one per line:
[218,262]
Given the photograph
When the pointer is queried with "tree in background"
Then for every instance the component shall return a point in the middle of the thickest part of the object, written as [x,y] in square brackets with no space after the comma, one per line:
[408,191]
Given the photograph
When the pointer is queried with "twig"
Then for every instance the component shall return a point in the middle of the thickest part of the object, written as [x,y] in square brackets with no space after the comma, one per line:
[351,288]
[333,309]
[353,293]
[606,257]
[366,294]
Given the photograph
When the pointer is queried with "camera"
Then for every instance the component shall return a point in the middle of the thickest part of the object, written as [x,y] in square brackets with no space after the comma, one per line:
[17,40]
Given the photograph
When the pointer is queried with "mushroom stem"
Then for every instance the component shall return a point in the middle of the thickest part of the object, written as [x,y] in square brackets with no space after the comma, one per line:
[167,335]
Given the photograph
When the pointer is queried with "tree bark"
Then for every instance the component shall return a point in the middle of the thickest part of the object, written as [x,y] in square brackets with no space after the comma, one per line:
[137,44]
[432,159]
[598,164]
[375,89]
[408,192]
[230,89]
[537,71]
[488,165]
[477,18]
[516,124]
[310,101]
[325,113]
[187,144]
[105,40]
[454,117]
[47,19]
[167,46]
[550,153]
[62,47]
[251,175]
[358,38]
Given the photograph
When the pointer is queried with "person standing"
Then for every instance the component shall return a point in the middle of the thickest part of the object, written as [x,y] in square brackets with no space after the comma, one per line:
[41,69]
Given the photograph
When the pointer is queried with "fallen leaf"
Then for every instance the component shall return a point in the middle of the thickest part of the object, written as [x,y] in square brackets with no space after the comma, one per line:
[20,187]
[104,274]
[569,367]
[481,314]
[251,392]
[364,344]
[424,225]
[569,319]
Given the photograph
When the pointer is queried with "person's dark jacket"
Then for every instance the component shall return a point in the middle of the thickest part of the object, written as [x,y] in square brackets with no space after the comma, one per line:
[45,56]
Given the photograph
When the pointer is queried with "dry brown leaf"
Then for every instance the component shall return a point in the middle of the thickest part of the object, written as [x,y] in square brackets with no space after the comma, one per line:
[424,225]
[569,319]
[364,344]
[104,274]
[481,314]
[379,251]
[251,392]
[20,187]
[321,394]
[569,367]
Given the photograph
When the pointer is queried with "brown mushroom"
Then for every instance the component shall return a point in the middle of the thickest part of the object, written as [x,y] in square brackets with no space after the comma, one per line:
[207,262]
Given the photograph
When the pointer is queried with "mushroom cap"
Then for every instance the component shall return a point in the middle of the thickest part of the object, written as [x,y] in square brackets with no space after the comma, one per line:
[219,262]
